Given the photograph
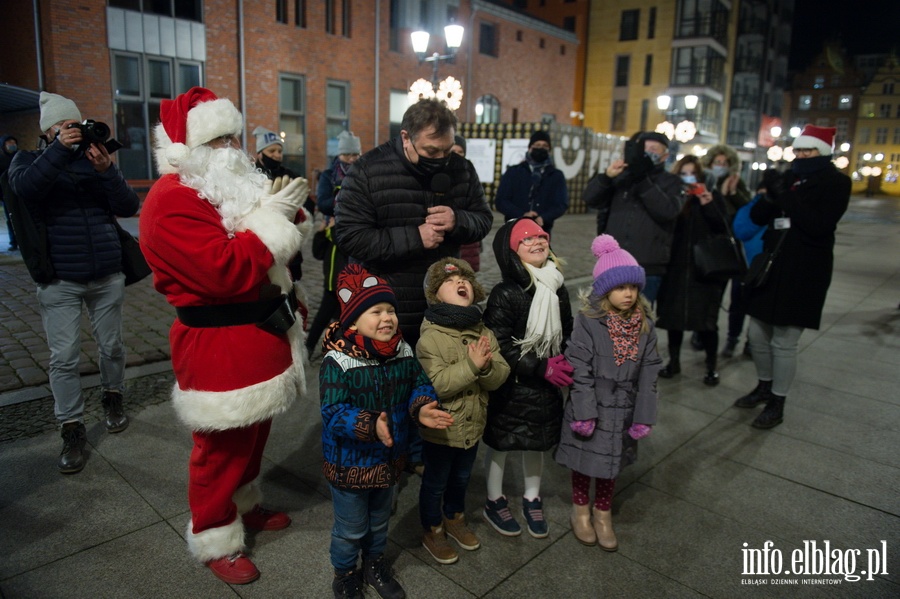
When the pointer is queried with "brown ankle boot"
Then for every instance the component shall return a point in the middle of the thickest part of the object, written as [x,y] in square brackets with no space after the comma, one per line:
[606,537]
[459,532]
[581,524]
[436,543]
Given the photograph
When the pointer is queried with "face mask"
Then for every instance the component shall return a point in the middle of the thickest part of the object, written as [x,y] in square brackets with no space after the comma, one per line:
[430,166]
[539,155]
[11,149]
[654,157]
[689,179]
[719,171]
[269,163]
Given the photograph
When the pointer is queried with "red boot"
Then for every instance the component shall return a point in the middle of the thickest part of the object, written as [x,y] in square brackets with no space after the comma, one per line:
[234,569]
[259,518]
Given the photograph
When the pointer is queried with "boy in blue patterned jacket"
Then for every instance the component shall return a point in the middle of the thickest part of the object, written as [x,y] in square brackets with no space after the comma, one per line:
[370,384]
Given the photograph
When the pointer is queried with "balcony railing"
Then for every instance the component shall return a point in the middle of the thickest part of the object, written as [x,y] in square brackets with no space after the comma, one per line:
[714,25]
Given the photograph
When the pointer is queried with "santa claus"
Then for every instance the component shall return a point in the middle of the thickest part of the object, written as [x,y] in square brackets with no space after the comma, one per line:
[218,236]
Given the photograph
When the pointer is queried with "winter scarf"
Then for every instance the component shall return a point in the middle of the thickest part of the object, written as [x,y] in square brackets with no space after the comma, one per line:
[454,317]
[543,332]
[624,333]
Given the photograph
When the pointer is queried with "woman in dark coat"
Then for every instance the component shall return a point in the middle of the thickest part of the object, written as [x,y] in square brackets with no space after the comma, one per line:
[688,302]
[802,206]
[530,314]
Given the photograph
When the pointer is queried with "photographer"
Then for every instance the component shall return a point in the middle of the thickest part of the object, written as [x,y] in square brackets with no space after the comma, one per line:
[638,202]
[801,209]
[74,189]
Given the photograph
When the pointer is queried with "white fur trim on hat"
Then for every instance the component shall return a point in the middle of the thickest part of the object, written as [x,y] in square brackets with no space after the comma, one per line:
[808,141]
[209,120]
[217,542]
[55,109]
[168,156]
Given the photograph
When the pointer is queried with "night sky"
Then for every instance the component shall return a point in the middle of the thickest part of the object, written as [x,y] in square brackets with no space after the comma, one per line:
[863,26]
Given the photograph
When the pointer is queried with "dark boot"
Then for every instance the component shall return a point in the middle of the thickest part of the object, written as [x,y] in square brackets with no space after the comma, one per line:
[114,413]
[674,365]
[379,575]
[772,415]
[761,394]
[71,458]
[712,377]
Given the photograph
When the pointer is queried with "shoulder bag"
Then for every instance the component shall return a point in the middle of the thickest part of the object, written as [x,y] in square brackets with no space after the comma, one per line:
[758,273]
[134,266]
[719,257]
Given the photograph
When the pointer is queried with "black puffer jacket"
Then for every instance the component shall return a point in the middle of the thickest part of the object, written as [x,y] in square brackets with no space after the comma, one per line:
[78,205]
[640,214]
[383,202]
[526,411]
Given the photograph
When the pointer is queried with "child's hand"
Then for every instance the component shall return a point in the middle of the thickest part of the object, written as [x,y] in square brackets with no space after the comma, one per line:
[383,430]
[480,353]
[639,431]
[432,416]
[559,372]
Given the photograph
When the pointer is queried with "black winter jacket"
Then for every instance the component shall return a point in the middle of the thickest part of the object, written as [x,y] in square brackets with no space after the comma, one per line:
[639,214]
[526,411]
[382,203]
[78,205]
[794,294]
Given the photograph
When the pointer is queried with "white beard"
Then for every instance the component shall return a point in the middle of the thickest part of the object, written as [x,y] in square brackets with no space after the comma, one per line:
[228,179]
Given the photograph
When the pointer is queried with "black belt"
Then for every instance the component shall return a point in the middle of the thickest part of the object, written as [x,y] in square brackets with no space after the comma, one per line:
[275,315]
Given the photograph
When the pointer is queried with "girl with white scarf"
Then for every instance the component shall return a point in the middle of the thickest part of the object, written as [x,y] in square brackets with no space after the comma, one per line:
[530,313]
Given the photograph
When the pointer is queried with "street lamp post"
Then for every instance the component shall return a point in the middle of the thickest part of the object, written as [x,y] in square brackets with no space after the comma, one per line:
[449,90]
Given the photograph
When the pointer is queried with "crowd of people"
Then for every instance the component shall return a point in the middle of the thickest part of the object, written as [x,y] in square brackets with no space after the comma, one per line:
[414,373]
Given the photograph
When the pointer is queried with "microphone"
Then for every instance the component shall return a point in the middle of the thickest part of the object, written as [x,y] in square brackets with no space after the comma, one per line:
[440,184]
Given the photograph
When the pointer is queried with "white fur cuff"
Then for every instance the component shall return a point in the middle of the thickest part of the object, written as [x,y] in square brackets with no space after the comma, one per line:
[214,543]
[276,232]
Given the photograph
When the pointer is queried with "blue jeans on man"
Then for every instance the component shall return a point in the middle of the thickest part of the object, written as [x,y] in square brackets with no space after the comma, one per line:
[446,477]
[60,304]
[360,526]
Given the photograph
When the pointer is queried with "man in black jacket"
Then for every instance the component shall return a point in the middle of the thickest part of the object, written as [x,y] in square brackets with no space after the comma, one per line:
[77,191]
[638,202]
[407,204]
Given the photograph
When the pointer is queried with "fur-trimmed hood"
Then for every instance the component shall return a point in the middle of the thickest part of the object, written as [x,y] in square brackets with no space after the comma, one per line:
[734,160]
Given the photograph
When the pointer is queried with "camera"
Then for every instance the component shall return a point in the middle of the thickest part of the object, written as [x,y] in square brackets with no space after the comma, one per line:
[95,132]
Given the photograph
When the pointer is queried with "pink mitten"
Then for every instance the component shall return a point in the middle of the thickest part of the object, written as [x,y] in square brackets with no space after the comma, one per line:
[639,431]
[585,428]
[559,372]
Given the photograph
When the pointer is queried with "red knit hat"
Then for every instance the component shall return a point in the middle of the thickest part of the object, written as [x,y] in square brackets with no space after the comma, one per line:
[526,227]
[358,290]
[191,120]
[820,138]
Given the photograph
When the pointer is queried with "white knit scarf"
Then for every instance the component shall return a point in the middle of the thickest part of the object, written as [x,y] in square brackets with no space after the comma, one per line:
[543,332]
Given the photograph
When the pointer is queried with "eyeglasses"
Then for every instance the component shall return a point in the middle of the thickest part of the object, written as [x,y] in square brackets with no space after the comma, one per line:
[530,241]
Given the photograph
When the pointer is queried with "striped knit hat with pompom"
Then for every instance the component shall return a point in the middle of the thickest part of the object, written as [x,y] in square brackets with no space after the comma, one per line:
[614,266]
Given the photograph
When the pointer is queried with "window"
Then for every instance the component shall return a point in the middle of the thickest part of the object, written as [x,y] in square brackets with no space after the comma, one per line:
[190,10]
[881,135]
[887,89]
[569,23]
[825,101]
[281,11]
[864,135]
[896,136]
[623,63]
[487,39]
[648,69]
[645,109]
[823,122]
[300,13]
[487,109]
[651,24]
[805,102]
[329,16]
[345,18]
[337,114]
[845,102]
[699,65]
[628,28]
[425,18]
[140,82]
[843,128]
[394,35]
[399,104]
[867,110]
[819,82]
[618,116]
[292,121]
[884,111]
[898,111]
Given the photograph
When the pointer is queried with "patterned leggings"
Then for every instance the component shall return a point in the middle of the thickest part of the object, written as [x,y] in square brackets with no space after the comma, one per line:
[603,494]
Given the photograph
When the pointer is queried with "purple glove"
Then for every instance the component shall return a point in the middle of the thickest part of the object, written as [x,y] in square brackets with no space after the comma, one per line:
[639,431]
[585,428]
[559,372]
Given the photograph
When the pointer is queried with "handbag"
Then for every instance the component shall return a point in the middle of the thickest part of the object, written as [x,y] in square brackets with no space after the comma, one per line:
[758,273]
[719,257]
[134,266]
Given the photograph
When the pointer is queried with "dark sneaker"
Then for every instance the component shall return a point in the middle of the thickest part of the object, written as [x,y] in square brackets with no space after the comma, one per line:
[772,415]
[380,576]
[234,569]
[347,586]
[71,458]
[534,517]
[114,414]
[497,514]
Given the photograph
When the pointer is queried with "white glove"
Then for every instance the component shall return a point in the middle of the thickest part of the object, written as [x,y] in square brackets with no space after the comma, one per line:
[285,195]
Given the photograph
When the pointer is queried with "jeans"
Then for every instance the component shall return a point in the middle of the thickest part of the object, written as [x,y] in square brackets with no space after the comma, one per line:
[651,287]
[447,473]
[60,303]
[775,353]
[360,525]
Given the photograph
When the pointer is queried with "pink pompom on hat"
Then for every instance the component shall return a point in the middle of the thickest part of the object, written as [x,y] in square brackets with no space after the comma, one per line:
[820,138]
[192,119]
[614,266]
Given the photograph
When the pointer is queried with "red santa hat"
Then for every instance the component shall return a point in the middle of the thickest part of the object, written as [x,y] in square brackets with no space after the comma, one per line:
[819,138]
[191,120]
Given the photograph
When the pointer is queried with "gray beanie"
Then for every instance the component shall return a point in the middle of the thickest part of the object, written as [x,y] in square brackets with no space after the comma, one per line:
[348,143]
[55,109]
[266,138]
